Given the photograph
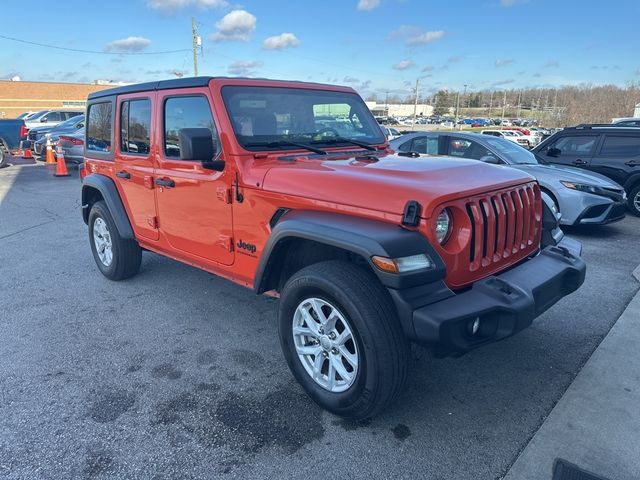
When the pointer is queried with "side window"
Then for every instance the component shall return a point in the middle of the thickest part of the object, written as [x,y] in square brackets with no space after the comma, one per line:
[99,127]
[579,145]
[135,124]
[425,145]
[405,147]
[185,112]
[620,146]
[69,115]
[459,147]
[52,117]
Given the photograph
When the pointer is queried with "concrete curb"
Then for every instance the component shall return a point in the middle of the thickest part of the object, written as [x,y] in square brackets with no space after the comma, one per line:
[595,424]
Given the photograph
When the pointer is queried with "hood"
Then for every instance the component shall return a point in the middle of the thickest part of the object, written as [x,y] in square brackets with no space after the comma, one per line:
[387,184]
[551,173]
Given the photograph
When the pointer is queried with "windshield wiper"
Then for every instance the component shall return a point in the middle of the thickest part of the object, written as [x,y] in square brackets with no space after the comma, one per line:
[286,143]
[334,140]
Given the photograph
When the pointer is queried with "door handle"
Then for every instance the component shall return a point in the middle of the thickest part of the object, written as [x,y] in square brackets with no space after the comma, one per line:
[632,163]
[165,182]
[579,161]
[123,174]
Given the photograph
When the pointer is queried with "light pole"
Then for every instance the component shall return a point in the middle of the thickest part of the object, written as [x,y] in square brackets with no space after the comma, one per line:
[457,106]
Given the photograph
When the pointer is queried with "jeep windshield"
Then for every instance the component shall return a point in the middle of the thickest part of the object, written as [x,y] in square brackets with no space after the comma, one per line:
[277,118]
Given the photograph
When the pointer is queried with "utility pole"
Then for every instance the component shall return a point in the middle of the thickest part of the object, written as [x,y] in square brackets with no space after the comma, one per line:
[197,42]
[464,97]
[490,104]
[519,102]
[457,105]
[415,105]
[504,105]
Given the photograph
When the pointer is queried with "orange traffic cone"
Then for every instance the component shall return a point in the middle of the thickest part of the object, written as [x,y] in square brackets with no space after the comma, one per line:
[61,165]
[49,156]
[27,154]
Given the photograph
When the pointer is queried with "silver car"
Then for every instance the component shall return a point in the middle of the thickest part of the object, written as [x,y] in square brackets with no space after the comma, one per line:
[72,145]
[583,198]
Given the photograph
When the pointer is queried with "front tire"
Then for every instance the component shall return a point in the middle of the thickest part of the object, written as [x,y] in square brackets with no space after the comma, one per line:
[117,258]
[634,201]
[342,340]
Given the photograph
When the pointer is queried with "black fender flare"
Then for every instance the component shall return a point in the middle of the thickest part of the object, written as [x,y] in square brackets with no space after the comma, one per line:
[360,236]
[109,192]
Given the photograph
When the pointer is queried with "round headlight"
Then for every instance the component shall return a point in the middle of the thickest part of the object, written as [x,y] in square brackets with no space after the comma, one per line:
[443,226]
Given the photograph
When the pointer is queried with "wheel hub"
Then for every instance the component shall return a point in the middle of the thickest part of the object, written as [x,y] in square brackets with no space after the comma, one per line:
[325,344]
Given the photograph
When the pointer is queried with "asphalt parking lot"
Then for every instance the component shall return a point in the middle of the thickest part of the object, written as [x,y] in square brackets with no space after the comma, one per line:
[178,374]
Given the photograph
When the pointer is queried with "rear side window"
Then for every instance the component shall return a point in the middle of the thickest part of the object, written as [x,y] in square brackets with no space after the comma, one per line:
[425,145]
[620,146]
[99,127]
[579,145]
[185,112]
[135,124]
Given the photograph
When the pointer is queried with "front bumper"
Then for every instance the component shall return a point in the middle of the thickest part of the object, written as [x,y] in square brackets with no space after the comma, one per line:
[504,304]
[603,214]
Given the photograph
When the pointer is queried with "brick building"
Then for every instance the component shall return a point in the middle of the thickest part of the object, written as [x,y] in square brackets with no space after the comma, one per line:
[18,96]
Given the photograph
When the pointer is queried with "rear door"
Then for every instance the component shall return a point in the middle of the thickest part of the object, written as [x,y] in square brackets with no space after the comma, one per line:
[194,204]
[618,156]
[573,150]
[134,161]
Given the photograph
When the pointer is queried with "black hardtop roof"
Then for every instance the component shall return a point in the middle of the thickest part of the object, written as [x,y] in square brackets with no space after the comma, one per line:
[173,83]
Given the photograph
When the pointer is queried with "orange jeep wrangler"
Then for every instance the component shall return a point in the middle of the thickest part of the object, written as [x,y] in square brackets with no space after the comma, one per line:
[291,189]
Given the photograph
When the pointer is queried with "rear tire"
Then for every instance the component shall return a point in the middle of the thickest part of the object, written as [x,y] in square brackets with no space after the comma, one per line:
[117,258]
[633,201]
[374,362]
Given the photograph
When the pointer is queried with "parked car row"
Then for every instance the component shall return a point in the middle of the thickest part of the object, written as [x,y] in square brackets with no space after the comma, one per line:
[591,174]
[40,135]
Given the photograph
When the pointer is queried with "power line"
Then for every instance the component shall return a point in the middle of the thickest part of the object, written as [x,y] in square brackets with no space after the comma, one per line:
[78,50]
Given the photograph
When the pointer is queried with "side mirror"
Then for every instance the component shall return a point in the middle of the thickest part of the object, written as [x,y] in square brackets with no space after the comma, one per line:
[491,159]
[198,144]
[43,120]
[554,152]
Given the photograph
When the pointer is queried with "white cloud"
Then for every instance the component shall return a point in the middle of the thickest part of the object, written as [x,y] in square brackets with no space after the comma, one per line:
[426,37]
[403,65]
[278,42]
[235,25]
[368,5]
[503,62]
[244,67]
[129,44]
[413,35]
[169,6]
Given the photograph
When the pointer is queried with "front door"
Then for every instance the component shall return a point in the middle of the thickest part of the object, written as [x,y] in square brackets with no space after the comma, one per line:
[194,204]
[134,162]
[571,150]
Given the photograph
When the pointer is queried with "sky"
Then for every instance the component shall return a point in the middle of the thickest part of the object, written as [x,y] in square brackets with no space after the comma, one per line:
[376,46]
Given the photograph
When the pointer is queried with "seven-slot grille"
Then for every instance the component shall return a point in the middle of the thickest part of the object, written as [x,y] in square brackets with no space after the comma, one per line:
[503,224]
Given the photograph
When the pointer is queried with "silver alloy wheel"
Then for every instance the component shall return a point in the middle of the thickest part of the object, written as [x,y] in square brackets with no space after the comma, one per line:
[325,344]
[636,201]
[102,241]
